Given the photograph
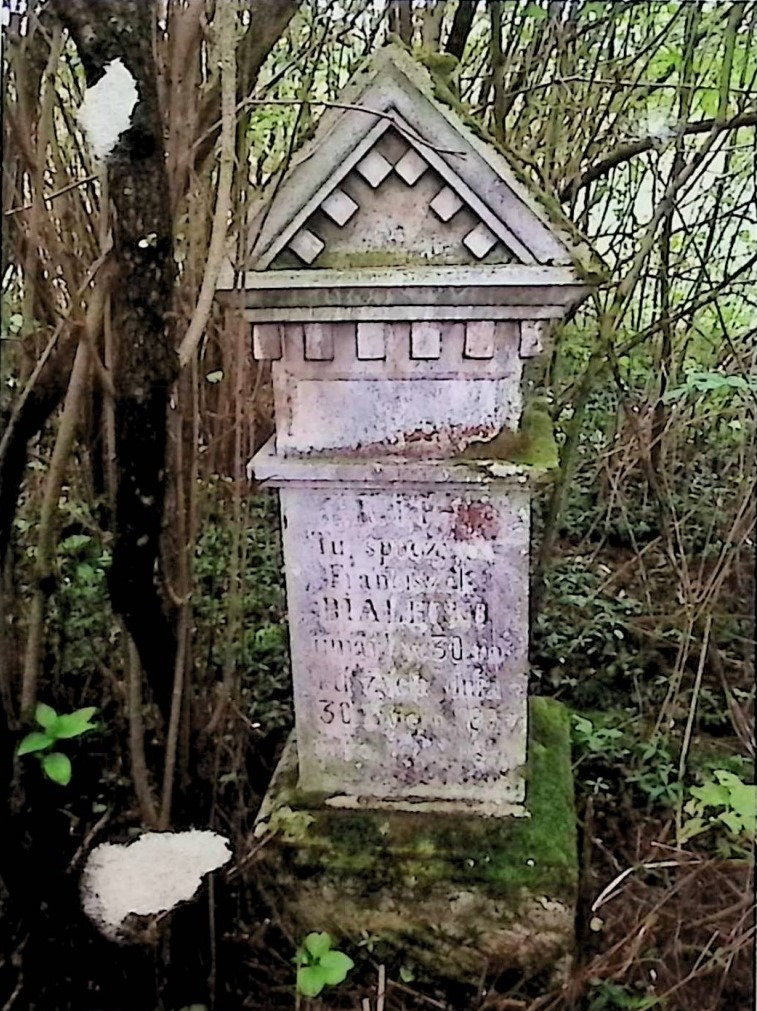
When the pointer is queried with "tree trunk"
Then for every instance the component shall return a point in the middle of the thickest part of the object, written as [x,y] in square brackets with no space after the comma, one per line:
[461,26]
[145,359]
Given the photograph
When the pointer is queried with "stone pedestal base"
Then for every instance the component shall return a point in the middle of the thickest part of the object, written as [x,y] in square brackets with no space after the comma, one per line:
[454,891]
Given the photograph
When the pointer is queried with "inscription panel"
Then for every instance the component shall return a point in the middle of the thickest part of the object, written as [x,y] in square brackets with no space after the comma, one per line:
[409,633]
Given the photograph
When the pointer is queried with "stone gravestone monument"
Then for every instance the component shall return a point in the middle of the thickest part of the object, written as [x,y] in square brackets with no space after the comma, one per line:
[399,279]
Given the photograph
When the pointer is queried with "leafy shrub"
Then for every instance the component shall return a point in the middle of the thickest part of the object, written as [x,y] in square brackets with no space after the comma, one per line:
[592,740]
[55,765]
[320,965]
[259,650]
[608,996]
[580,636]
[723,800]
[81,626]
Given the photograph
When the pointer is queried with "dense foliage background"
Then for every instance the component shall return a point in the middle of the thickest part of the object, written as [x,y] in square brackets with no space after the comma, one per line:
[639,119]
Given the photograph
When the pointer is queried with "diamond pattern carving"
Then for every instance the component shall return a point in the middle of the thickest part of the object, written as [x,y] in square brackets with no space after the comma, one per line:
[446,203]
[394,158]
[339,206]
[411,166]
[374,168]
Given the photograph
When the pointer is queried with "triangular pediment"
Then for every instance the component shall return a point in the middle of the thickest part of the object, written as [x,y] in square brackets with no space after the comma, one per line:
[393,177]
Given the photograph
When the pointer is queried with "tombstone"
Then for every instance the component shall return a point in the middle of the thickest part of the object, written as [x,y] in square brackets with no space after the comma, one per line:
[399,279]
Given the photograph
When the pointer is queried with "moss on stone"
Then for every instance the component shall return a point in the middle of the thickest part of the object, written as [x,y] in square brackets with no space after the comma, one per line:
[347,260]
[502,855]
[539,448]
[447,889]
[532,445]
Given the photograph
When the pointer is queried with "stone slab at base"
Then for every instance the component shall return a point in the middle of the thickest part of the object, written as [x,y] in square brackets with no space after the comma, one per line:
[455,892]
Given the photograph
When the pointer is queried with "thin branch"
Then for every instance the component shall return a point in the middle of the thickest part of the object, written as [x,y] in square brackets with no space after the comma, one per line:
[54,196]
[46,536]
[139,771]
[410,135]
[461,27]
[625,152]
[617,309]
[42,360]
[227,20]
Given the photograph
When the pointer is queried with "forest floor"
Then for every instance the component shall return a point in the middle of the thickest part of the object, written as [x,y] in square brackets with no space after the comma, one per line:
[660,924]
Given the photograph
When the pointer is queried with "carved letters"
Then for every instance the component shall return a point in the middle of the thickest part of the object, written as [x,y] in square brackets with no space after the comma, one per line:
[414,645]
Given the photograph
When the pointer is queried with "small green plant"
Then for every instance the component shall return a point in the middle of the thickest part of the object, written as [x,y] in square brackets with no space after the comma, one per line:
[320,965]
[722,800]
[593,740]
[55,765]
[654,772]
[581,635]
[607,996]
[699,383]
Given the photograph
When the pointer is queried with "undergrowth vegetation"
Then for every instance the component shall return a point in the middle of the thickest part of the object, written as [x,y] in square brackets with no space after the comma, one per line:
[639,120]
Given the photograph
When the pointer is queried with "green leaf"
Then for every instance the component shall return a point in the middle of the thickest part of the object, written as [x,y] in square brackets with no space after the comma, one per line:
[744,803]
[732,821]
[335,965]
[693,827]
[711,795]
[214,377]
[406,974]
[73,724]
[310,980]
[317,944]
[35,741]
[74,542]
[583,725]
[533,10]
[45,715]
[57,767]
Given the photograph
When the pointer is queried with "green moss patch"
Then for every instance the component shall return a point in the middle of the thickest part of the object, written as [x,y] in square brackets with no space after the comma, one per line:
[532,445]
[458,893]
[423,851]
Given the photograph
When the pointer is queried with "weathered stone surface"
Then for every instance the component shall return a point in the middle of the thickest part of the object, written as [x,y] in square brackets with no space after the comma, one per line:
[489,291]
[374,168]
[480,241]
[394,85]
[371,342]
[504,890]
[446,203]
[416,399]
[480,339]
[266,341]
[339,206]
[532,337]
[408,616]
[306,245]
[411,167]
[533,454]
[404,458]
[401,217]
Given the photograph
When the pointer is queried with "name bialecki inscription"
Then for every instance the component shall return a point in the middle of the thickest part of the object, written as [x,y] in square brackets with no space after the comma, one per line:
[408,610]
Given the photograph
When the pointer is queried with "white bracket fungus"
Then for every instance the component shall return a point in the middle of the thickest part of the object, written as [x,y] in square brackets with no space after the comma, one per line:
[148,876]
[107,107]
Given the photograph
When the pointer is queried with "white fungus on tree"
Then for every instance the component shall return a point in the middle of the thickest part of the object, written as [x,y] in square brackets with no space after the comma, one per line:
[148,876]
[107,107]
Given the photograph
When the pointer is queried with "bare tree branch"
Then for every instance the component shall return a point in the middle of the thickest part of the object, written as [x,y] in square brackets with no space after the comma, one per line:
[461,26]
[625,152]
